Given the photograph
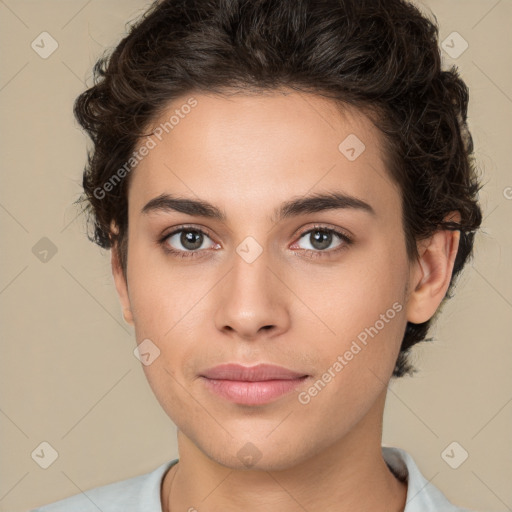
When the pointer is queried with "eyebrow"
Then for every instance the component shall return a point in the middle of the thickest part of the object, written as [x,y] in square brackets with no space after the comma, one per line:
[292,208]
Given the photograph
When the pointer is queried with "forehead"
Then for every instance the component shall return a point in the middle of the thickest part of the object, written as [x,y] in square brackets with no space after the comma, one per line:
[244,147]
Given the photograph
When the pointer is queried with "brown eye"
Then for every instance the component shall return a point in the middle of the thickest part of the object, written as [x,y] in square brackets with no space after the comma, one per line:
[321,239]
[191,240]
[318,243]
[185,240]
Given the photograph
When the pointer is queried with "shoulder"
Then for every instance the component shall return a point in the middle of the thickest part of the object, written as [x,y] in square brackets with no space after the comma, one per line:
[136,494]
[422,495]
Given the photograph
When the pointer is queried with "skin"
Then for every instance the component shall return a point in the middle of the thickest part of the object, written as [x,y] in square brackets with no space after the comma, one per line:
[247,154]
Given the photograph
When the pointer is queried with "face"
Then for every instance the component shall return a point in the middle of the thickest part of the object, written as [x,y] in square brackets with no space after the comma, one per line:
[316,290]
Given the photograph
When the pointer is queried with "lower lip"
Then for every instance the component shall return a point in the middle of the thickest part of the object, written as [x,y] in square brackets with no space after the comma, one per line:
[252,393]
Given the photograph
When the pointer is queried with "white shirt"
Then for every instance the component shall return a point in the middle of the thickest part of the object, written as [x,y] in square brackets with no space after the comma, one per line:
[142,493]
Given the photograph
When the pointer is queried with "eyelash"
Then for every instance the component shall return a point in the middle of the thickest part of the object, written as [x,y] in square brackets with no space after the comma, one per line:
[309,253]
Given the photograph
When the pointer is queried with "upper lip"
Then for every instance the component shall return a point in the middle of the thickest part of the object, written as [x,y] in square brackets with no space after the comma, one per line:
[256,373]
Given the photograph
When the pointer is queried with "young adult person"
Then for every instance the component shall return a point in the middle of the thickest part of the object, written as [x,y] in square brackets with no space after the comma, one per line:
[289,192]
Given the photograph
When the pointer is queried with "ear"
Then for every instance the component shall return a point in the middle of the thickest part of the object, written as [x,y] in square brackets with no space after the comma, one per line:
[121,283]
[431,273]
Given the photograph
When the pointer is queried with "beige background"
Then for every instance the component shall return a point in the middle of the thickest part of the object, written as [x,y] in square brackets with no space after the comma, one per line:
[68,373]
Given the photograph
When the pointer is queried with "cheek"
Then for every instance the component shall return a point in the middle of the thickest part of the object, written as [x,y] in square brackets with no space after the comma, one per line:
[355,294]
[169,307]
[160,292]
[362,310]
[356,364]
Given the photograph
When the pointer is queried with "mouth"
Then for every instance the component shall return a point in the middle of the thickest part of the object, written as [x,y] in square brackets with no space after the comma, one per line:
[254,385]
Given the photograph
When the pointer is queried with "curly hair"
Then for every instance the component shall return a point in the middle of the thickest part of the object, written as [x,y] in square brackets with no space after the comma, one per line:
[380,56]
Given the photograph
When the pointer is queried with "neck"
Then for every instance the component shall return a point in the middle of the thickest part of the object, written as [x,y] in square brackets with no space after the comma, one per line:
[349,475]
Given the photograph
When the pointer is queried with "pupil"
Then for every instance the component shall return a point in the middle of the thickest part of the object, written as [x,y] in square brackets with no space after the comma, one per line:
[321,237]
[187,237]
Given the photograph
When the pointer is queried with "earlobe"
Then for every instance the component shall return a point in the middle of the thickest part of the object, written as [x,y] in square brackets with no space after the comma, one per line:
[431,275]
[127,316]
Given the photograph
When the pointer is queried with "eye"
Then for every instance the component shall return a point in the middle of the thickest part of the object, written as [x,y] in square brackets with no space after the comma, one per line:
[320,239]
[191,240]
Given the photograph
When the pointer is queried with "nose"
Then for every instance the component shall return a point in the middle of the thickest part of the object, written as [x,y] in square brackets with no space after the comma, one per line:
[253,300]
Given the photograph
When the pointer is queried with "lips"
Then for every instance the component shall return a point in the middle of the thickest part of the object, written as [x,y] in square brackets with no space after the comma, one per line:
[260,372]
[252,385]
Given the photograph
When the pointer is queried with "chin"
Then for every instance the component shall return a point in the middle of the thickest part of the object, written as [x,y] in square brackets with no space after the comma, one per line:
[259,453]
